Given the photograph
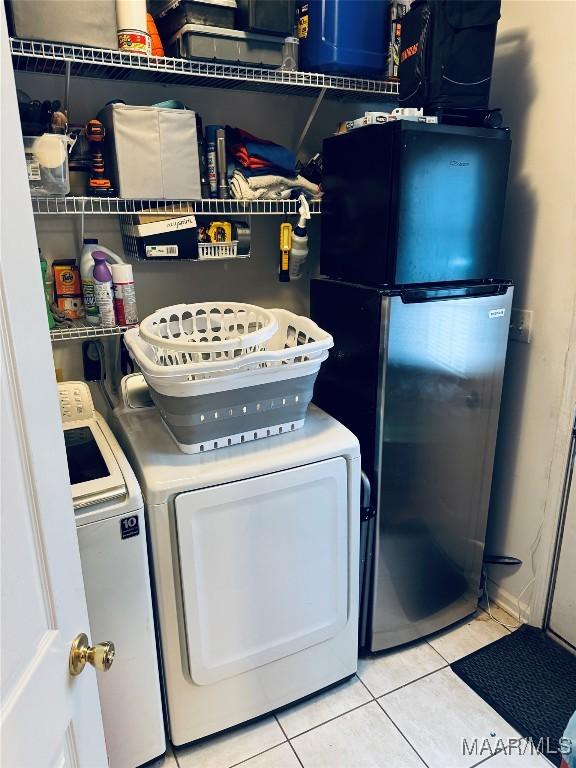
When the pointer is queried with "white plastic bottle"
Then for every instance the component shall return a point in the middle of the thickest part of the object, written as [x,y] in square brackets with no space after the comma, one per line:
[103,290]
[86,275]
[124,294]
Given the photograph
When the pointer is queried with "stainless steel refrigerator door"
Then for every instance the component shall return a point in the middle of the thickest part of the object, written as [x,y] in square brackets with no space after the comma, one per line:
[442,364]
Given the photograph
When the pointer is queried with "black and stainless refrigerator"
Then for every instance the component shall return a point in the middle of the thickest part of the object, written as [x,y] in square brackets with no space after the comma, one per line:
[417,367]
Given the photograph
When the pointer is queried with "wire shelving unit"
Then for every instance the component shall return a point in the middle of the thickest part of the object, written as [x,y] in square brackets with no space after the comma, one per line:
[53,58]
[80,329]
[115,205]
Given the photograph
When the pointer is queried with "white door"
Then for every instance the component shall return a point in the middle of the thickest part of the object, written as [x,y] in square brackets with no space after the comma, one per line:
[264,567]
[47,717]
[563,613]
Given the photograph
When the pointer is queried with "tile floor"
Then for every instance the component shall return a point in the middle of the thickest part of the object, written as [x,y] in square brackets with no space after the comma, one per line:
[403,709]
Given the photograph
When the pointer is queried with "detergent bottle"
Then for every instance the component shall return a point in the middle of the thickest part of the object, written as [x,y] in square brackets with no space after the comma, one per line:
[103,290]
[87,276]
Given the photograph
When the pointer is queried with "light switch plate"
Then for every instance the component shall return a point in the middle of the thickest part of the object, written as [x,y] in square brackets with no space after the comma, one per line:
[521,325]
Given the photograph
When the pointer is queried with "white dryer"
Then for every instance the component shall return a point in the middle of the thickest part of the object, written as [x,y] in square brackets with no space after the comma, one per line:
[112,537]
[255,561]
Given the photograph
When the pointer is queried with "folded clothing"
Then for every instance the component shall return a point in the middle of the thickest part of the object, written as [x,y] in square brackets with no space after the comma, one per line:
[259,156]
[271,187]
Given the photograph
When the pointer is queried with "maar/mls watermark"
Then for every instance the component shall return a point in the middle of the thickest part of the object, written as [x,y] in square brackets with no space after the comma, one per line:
[487,747]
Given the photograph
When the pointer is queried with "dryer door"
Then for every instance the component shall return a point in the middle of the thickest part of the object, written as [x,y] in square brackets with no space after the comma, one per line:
[264,567]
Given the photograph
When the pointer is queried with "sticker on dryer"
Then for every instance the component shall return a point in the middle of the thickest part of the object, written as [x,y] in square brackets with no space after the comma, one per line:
[129,526]
[497,312]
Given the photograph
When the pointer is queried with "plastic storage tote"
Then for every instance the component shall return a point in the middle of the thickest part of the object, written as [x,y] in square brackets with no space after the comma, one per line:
[173,15]
[214,404]
[47,164]
[343,36]
[81,22]
[195,41]
[271,17]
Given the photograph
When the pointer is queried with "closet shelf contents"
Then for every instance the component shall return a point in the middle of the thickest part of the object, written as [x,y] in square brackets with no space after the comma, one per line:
[115,205]
[52,58]
[80,329]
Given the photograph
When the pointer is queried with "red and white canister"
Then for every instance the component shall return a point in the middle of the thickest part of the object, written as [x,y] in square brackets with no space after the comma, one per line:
[124,294]
[132,27]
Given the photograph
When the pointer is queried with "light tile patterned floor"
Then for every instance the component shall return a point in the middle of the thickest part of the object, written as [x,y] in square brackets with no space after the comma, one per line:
[404,709]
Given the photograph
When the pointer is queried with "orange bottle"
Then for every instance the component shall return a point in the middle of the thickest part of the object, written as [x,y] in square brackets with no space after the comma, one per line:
[157,47]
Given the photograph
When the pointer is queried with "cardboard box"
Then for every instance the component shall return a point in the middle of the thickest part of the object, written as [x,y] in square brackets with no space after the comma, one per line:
[68,289]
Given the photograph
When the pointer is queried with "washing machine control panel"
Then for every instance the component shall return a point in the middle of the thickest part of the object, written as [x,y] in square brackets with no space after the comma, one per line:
[76,402]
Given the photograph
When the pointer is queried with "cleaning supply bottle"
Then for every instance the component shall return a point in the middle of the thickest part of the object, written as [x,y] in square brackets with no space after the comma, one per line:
[103,290]
[124,294]
[86,275]
[299,250]
[285,247]
[48,284]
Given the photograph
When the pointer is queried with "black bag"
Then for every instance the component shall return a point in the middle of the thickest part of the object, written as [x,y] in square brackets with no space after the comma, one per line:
[446,53]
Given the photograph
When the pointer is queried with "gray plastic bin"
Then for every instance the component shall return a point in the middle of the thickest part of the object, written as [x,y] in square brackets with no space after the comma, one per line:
[80,22]
[195,41]
[172,16]
[205,422]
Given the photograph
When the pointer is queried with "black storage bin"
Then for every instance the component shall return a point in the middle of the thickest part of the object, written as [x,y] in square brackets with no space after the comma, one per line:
[272,17]
[447,52]
[171,17]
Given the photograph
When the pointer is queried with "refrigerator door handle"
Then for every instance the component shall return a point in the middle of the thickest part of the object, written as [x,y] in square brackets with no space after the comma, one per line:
[443,293]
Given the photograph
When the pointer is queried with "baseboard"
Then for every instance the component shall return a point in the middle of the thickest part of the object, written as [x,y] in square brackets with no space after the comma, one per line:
[508,601]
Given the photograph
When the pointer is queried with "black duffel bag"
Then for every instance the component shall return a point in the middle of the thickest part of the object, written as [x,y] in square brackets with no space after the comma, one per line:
[446,53]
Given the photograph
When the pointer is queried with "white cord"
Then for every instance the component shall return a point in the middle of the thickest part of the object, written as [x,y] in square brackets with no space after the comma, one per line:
[502,624]
[519,621]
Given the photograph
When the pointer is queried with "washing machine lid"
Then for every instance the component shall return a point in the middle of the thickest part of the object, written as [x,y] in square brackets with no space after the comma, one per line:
[264,566]
[95,475]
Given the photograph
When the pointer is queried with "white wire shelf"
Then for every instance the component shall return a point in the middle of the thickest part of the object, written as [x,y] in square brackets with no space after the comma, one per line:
[51,58]
[115,205]
[80,329]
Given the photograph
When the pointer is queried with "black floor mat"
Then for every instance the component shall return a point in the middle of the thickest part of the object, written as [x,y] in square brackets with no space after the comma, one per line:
[529,680]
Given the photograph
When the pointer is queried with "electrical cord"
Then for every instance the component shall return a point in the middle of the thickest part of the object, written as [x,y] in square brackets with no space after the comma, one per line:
[519,621]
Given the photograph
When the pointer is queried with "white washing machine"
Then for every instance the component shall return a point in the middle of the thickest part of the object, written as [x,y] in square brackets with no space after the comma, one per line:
[112,537]
[255,561]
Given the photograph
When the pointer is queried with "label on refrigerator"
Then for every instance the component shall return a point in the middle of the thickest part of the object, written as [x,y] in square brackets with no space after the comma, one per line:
[497,313]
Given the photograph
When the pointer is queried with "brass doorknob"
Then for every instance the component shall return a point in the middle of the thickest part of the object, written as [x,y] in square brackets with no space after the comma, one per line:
[100,656]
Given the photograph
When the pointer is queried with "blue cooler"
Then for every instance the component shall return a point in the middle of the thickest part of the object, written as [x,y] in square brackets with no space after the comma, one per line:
[343,36]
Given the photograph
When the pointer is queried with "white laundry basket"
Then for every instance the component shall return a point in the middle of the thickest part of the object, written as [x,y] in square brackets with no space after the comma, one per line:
[215,403]
[194,333]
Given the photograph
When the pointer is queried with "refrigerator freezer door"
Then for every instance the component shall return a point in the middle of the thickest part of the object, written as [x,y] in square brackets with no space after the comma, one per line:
[409,203]
[444,364]
[450,204]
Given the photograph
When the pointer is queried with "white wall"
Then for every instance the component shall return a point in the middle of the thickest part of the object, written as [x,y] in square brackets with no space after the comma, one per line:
[535,84]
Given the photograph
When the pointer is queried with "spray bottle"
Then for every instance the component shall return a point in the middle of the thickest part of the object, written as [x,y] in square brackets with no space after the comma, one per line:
[299,250]
[86,275]
[103,290]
